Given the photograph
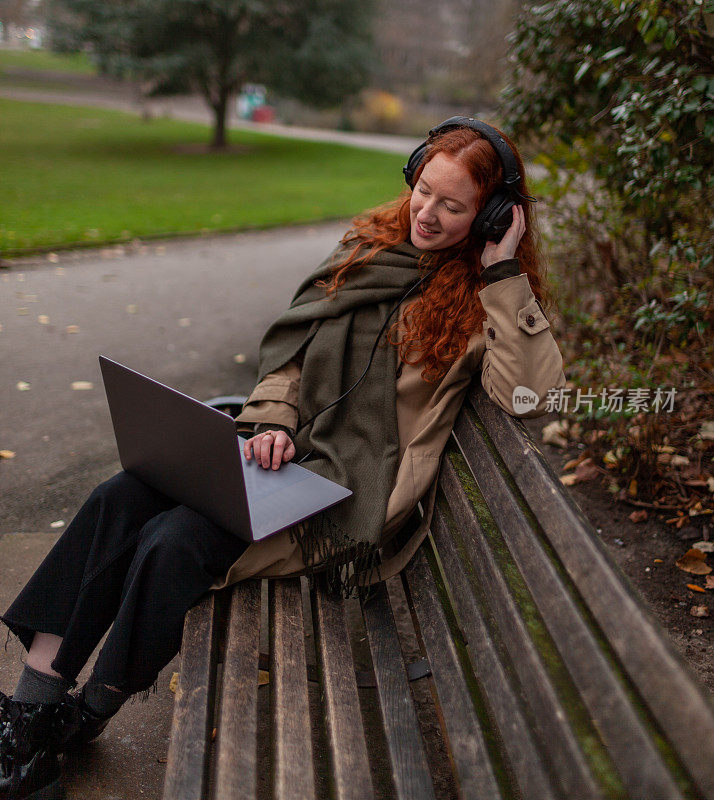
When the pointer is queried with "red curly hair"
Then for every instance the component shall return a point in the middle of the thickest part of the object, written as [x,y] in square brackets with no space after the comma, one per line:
[436,327]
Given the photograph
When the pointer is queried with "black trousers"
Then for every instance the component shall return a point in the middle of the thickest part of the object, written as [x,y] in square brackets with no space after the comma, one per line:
[131,559]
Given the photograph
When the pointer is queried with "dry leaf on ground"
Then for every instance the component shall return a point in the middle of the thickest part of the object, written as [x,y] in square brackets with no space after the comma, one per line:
[57,524]
[709,582]
[72,329]
[263,677]
[555,433]
[585,471]
[706,430]
[7,454]
[22,386]
[699,611]
[638,516]
[693,561]
[173,683]
[82,386]
[694,587]
[239,358]
[705,547]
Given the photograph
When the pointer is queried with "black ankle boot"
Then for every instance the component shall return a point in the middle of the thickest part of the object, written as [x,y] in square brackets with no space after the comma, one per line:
[82,724]
[29,756]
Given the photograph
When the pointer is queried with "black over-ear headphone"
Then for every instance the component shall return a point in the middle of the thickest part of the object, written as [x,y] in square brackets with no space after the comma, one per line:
[496,216]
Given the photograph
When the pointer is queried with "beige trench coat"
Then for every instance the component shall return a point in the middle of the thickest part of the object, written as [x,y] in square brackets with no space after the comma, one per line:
[515,349]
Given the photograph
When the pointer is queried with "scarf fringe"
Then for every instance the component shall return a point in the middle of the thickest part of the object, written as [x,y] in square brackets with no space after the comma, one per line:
[328,549]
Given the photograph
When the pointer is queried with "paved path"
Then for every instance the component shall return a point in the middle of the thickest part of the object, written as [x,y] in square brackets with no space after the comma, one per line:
[180,311]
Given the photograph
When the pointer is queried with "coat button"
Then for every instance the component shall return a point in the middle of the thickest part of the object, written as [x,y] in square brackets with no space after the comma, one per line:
[530,320]
[491,333]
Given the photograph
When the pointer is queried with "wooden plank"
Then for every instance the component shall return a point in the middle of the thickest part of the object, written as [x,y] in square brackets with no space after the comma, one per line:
[236,741]
[636,757]
[549,721]
[401,728]
[681,705]
[189,748]
[474,773]
[293,771]
[345,732]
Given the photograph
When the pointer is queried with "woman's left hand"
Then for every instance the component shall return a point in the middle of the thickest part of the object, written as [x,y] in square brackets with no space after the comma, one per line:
[506,248]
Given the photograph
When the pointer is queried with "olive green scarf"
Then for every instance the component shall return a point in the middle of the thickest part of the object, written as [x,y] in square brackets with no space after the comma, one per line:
[355,443]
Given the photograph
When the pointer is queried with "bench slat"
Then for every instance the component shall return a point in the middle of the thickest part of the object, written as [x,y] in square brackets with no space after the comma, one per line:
[679,703]
[556,738]
[293,775]
[236,770]
[187,760]
[345,731]
[401,728]
[635,756]
[475,775]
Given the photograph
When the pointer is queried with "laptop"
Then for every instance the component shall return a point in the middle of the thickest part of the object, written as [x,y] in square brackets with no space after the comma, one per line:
[191,453]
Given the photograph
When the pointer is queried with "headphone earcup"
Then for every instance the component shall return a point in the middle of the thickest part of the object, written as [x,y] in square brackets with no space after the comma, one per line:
[495,218]
[413,163]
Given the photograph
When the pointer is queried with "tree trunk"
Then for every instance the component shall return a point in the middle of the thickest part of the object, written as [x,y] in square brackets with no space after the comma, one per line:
[219,121]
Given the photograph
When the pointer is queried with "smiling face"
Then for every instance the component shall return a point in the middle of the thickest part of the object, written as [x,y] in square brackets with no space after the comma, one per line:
[443,204]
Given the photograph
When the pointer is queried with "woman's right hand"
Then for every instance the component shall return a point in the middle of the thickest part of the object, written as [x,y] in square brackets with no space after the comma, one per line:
[271,448]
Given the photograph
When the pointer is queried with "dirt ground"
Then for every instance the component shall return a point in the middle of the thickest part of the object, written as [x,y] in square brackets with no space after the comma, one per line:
[646,552]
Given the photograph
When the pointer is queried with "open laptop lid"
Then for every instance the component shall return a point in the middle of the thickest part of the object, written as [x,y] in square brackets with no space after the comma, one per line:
[189,451]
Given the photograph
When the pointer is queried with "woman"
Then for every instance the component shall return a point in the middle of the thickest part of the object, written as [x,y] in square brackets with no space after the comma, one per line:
[361,379]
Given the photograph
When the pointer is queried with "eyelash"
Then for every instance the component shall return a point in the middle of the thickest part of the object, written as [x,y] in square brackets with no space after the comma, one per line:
[423,191]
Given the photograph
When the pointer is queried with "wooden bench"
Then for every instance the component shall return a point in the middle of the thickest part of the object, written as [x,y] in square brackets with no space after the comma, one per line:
[538,673]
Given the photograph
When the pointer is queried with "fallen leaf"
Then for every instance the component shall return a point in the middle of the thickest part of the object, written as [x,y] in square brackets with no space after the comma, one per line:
[693,561]
[23,386]
[569,480]
[213,734]
[82,386]
[663,448]
[21,312]
[678,461]
[705,547]
[57,524]
[709,582]
[658,561]
[694,587]
[184,322]
[72,329]
[699,611]
[611,459]
[554,433]
[706,430]
[632,490]
[239,358]
[173,683]
[43,319]
[585,471]
[638,516]
[53,258]
[263,677]
[132,309]
[7,454]
[710,481]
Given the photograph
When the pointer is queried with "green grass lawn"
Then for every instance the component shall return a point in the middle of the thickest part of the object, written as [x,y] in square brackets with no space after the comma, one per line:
[72,175]
[46,61]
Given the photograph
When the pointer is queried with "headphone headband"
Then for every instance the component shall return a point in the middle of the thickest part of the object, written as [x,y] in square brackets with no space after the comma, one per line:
[511,176]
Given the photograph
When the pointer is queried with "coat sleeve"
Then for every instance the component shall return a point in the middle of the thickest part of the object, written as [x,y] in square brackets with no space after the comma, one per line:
[274,400]
[522,360]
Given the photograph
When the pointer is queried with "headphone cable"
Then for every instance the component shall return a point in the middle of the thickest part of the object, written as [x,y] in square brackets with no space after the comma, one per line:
[369,363]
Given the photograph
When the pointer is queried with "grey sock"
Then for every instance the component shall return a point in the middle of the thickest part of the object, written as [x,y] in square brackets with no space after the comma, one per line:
[34,686]
[101,700]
